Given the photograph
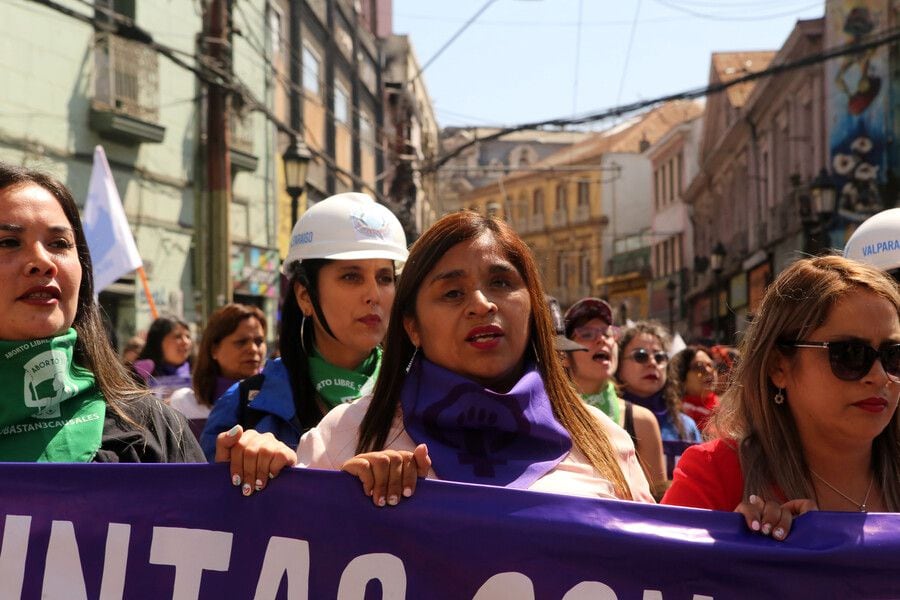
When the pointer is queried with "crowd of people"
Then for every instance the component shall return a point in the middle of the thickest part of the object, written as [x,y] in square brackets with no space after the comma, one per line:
[447,361]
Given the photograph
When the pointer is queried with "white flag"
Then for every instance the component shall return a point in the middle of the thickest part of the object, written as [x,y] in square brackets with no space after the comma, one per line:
[113,251]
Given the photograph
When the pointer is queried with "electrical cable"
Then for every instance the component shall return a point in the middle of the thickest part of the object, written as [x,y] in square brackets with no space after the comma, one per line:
[634,23]
[874,40]
[452,39]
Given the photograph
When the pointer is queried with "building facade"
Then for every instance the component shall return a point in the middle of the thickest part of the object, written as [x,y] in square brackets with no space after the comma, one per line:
[763,143]
[578,205]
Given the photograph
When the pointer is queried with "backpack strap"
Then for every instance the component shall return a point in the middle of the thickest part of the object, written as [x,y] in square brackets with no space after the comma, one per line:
[247,389]
[249,417]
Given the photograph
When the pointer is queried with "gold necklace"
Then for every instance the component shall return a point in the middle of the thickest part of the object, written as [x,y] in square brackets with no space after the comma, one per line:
[861,507]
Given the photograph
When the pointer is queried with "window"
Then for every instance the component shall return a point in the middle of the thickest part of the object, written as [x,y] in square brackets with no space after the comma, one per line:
[311,70]
[341,104]
[585,272]
[656,189]
[275,30]
[671,195]
[678,169]
[366,132]
[537,206]
[561,198]
[584,193]
[562,274]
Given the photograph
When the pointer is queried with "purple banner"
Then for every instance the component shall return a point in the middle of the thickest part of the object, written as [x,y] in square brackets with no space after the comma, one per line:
[182,531]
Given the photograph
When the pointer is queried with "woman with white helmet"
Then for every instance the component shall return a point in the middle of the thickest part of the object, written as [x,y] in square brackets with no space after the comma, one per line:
[342,263]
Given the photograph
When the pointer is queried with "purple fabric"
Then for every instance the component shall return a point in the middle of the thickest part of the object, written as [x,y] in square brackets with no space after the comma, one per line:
[475,435]
[448,541]
[222,385]
[655,403]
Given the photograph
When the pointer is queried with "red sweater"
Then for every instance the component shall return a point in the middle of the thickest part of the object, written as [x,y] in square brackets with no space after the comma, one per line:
[708,475]
[699,408]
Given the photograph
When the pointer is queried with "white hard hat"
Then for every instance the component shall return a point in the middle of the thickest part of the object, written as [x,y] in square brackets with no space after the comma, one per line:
[876,241]
[349,226]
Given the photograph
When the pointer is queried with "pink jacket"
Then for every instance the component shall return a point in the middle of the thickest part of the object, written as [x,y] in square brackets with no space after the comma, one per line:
[334,441]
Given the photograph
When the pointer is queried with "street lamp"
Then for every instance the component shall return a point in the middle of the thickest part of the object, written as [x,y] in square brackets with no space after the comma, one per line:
[716,263]
[824,196]
[670,288]
[296,164]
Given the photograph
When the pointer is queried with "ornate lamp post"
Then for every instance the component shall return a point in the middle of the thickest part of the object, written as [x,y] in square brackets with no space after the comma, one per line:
[296,165]
[717,262]
[670,288]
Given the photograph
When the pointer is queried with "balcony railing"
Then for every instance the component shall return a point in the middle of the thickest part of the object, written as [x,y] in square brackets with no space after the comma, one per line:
[536,222]
[582,213]
[560,218]
[127,77]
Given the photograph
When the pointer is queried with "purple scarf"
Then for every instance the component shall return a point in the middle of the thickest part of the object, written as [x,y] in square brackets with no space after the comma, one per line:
[475,435]
[655,403]
[222,385]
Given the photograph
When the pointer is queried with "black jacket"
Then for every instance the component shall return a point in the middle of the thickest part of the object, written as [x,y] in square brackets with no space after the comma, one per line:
[163,438]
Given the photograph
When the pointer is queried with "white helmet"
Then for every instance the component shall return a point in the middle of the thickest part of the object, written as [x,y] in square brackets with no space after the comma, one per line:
[347,226]
[876,241]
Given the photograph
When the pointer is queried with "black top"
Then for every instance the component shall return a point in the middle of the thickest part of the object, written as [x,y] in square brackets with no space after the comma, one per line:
[628,424]
[164,436]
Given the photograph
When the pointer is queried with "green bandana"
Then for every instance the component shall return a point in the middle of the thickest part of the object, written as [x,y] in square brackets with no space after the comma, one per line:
[606,400]
[59,416]
[336,385]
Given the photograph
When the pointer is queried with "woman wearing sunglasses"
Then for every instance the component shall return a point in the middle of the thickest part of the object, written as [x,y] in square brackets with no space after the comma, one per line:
[811,420]
[693,373]
[589,323]
[643,362]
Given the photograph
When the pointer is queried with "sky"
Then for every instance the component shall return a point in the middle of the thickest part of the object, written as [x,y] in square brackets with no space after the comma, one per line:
[529,60]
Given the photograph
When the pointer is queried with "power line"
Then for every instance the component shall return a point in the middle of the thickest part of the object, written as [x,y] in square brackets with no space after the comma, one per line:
[634,23]
[887,36]
[211,75]
[450,41]
[577,57]
[743,17]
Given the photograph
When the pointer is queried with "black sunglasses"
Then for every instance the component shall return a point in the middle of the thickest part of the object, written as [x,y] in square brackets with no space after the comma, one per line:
[853,359]
[642,357]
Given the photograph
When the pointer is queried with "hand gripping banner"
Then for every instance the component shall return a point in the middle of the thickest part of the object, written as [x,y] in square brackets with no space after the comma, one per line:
[182,531]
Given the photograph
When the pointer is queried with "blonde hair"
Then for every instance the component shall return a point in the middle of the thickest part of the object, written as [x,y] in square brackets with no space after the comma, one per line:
[798,302]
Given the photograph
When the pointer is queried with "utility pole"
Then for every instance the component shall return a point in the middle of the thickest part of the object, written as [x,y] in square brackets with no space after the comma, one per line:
[218,160]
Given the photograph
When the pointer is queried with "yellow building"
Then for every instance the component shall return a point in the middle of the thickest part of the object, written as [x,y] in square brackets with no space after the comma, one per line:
[565,206]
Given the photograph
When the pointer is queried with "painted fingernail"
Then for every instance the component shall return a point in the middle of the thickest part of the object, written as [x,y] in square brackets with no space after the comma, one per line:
[754,525]
[407,492]
[235,480]
[234,431]
[381,501]
[259,485]
[393,500]
[753,499]
[766,529]
[778,533]
[246,489]
[271,476]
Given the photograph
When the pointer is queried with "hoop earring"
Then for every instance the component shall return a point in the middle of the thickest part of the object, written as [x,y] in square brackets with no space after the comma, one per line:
[537,357]
[412,358]
[302,336]
[779,396]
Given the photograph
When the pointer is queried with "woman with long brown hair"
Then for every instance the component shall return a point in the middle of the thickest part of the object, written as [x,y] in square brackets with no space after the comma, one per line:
[233,347]
[79,403]
[810,419]
[471,382]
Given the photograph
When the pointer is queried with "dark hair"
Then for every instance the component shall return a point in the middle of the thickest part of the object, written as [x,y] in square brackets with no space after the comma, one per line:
[587,433]
[680,366]
[222,323]
[670,394]
[295,340]
[159,329]
[92,349]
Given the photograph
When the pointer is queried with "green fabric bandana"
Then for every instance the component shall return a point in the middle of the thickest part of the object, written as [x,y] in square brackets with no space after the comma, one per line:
[59,416]
[606,400]
[336,385]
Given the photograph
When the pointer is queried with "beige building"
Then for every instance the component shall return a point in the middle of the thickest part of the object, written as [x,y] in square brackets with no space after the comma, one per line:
[762,144]
[572,206]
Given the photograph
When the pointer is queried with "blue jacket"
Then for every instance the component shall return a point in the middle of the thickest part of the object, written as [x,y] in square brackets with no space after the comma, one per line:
[274,399]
